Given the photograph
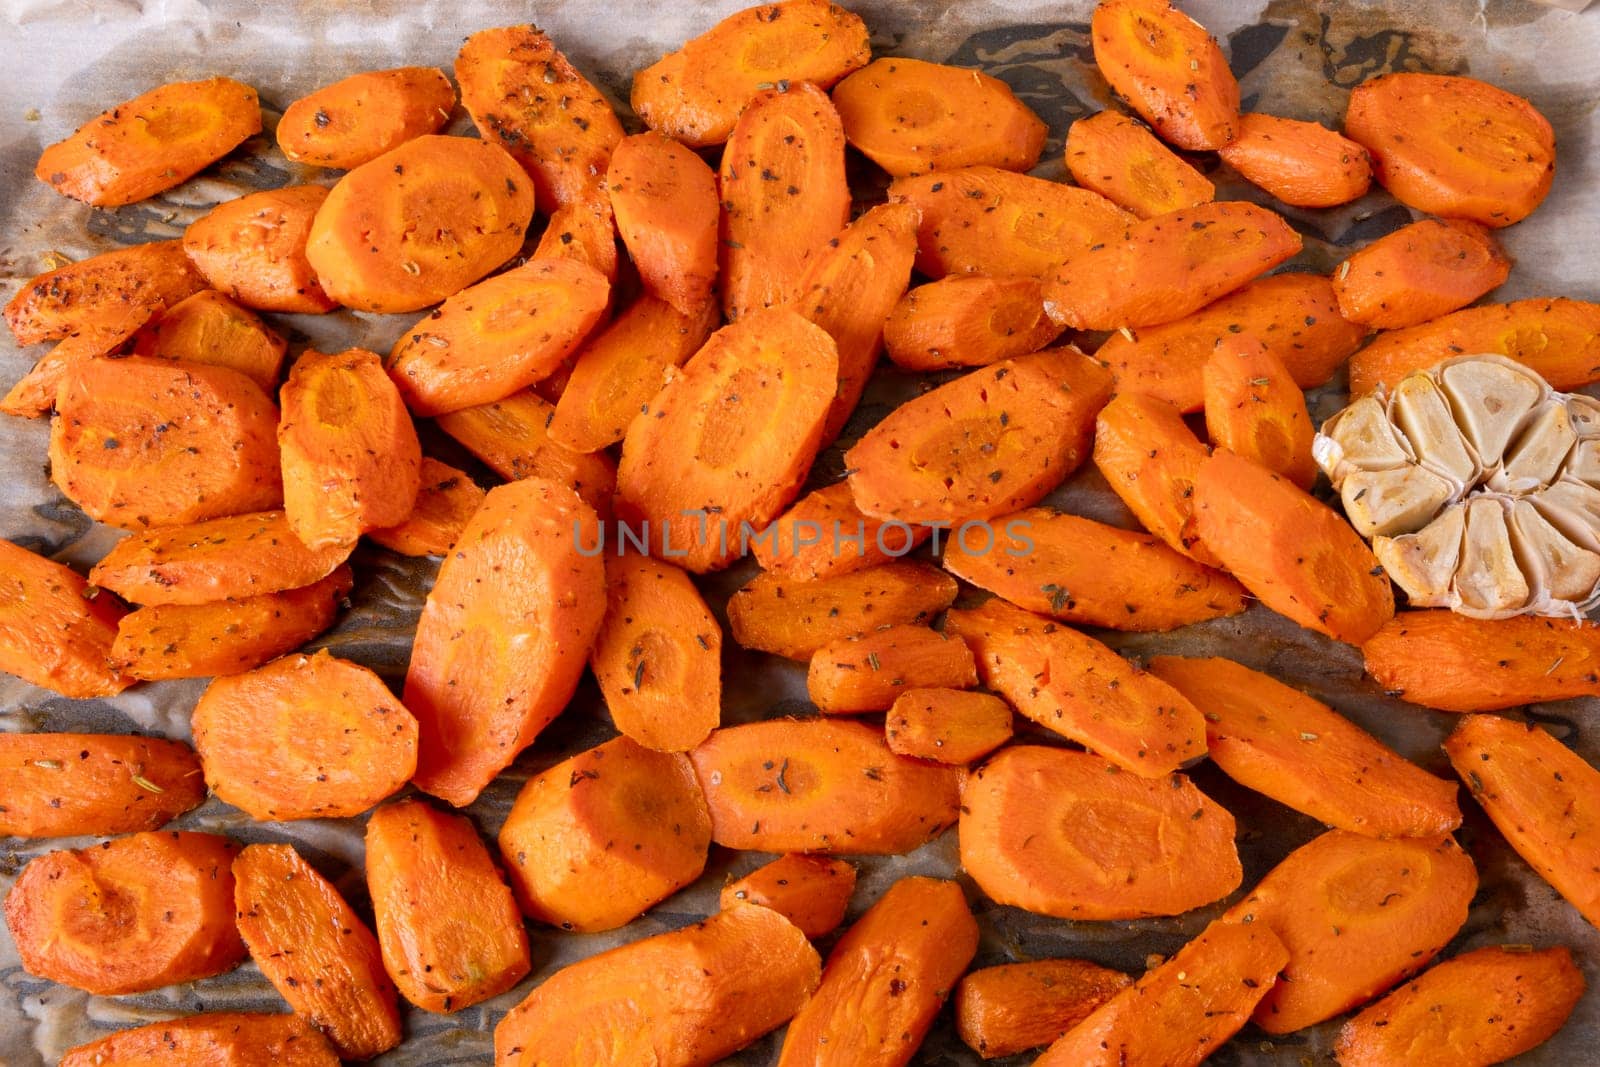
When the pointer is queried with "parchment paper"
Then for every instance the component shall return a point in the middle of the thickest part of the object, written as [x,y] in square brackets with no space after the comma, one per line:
[65,60]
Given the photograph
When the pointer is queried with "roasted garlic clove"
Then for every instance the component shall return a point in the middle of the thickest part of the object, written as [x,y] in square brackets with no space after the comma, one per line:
[1559,568]
[1422,413]
[1360,438]
[1535,457]
[1490,398]
[1424,563]
[1393,501]
[1489,581]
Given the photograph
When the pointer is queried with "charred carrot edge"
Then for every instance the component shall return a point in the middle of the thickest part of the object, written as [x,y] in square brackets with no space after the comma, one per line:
[868,673]
[1123,161]
[947,725]
[793,619]
[359,118]
[1169,69]
[1418,273]
[66,785]
[1011,1008]
[70,298]
[53,632]
[810,891]
[1255,409]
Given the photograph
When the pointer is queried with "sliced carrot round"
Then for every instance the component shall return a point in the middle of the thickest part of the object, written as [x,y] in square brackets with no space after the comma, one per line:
[1304,164]
[667,209]
[445,502]
[967,321]
[1418,273]
[1169,69]
[254,249]
[1123,161]
[210,328]
[53,633]
[359,118]
[64,785]
[1255,409]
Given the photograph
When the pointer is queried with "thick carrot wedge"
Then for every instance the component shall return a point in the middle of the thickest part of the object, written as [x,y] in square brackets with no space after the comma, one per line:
[1255,409]
[1169,69]
[824,534]
[225,636]
[869,673]
[64,785]
[1004,1010]
[983,445]
[1419,272]
[784,195]
[1454,663]
[947,725]
[910,117]
[315,950]
[584,230]
[447,924]
[129,915]
[1304,164]
[1150,457]
[504,635]
[1357,915]
[1300,752]
[53,633]
[1542,796]
[445,502]
[1124,162]
[681,999]
[1090,574]
[793,619]
[209,328]
[666,204]
[253,248]
[810,891]
[1062,833]
[820,785]
[213,1037]
[1294,554]
[359,118]
[1169,266]
[1179,1013]
[102,289]
[968,321]
[1070,683]
[886,979]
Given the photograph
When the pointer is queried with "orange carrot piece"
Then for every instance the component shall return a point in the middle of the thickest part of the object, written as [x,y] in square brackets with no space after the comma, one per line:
[447,925]
[947,725]
[824,535]
[1070,683]
[72,299]
[151,143]
[1285,745]
[1304,164]
[1123,161]
[359,118]
[129,915]
[666,203]
[504,635]
[53,632]
[1062,833]
[869,673]
[67,785]
[254,249]
[910,117]
[793,619]
[1169,69]
[1169,266]
[1418,273]
[315,950]
[1149,457]
[1294,554]
[820,785]
[886,979]
[445,502]
[810,891]
[1255,409]
[983,445]
[784,195]
[35,392]
[209,328]
[1011,1008]
[1358,915]
[967,321]
[584,230]
[212,1037]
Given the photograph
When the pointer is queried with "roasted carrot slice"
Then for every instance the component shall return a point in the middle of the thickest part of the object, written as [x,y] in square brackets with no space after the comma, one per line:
[584,230]
[254,249]
[691,996]
[771,613]
[71,299]
[367,249]
[909,117]
[1011,1008]
[724,447]
[695,94]
[212,1037]
[1480,1008]
[658,656]
[36,391]
[1294,554]
[621,368]
[810,891]
[820,785]
[66,785]
[1123,161]
[151,143]
[129,915]
[1068,682]
[142,442]
[209,328]
[1357,914]
[504,634]
[968,321]
[1255,409]
[784,195]
[1164,64]
[1090,574]
[225,636]
[1454,146]
[304,737]
[54,632]
[666,204]
[1062,833]
[1454,663]
[1300,752]
[447,924]
[446,500]
[523,94]
[991,442]
[868,673]
[1182,1011]
[359,118]
[824,535]
[315,950]
[947,725]
[1304,164]
[1295,315]
[203,562]
[1169,266]
[983,220]
[886,979]
[1150,457]
[1419,272]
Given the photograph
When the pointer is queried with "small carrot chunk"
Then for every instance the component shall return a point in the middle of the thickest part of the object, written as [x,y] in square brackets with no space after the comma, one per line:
[1169,69]
[211,1037]
[357,119]
[53,632]
[1014,1007]
[129,915]
[446,500]
[667,207]
[1304,164]
[967,321]
[1150,457]
[793,619]
[584,230]
[824,535]
[151,143]
[71,299]
[254,249]
[810,891]
[1123,161]
[1418,273]
[209,328]
[315,950]
[820,785]
[947,725]
[67,785]
[1255,409]
[869,673]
